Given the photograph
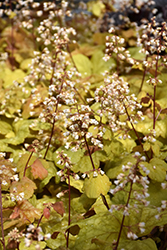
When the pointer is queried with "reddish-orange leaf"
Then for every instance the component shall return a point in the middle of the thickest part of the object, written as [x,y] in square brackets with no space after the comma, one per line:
[54,235]
[38,170]
[145,99]
[26,211]
[15,214]
[46,212]
[23,188]
[164,111]
[58,207]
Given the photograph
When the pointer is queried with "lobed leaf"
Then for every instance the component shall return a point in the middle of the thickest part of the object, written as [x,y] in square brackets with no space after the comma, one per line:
[94,186]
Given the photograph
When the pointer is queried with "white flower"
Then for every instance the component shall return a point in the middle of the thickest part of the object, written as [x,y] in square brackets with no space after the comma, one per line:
[84,176]
[47,236]
[59,195]
[60,173]
[157,216]
[4,183]
[15,177]
[102,172]
[30,227]
[40,237]
[59,162]
[76,177]
[112,191]
[163,185]
[142,224]
[132,235]
[142,230]
[27,242]
[137,154]
[95,174]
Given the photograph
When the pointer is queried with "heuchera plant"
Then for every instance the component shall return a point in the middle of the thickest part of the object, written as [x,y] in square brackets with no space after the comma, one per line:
[83,129]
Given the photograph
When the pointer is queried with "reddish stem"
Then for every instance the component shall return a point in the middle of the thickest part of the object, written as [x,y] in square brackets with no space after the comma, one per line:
[90,156]
[69,205]
[40,220]
[136,132]
[26,166]
[1,214]
[144,74]
[123,218]
[12,39]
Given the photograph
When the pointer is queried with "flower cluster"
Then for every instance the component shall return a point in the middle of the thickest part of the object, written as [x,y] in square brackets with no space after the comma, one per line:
[7,173]
[115,46]
[14,238]
[80,120]
[153,39]
[34,233]
[138,188]
[15,196]
[117,104]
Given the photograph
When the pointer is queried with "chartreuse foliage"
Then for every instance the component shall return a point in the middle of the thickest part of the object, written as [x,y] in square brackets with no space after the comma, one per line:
[83,131]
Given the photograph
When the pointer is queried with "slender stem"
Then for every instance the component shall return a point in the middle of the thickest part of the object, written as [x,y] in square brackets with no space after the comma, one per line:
[26,166]
[154,117]
[123,218]
[53,123]
[89,152]
[1,214]
[68,49]
[144,74]
[69,205]
[50,138]
[136,132]
[117,58]
[40,220]
[12,39]
[154,103]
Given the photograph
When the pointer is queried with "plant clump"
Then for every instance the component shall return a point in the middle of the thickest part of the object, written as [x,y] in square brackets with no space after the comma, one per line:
[83,126]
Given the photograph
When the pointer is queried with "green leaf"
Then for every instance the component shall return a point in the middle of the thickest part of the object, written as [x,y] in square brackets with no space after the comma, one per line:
[115,168]
[146,244]
[99,205]
[128,144]
[103,226]
[134,51]
[157,168]
[82,204]
[146,125]
[146,146]
[101,66]
[96,7]
[7,203]
[8,76]
[33,245]
[94,186]
[5,128]
[78,184]
[21,129]
[83,64]
[157,193]
[74,157]
[25,64]
[156,148]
